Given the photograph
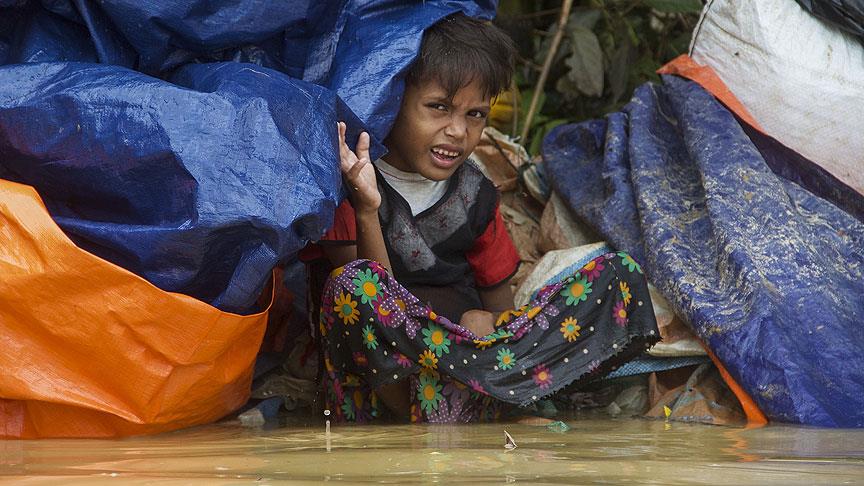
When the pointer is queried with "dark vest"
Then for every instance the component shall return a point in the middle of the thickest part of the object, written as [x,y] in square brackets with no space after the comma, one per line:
[427,251]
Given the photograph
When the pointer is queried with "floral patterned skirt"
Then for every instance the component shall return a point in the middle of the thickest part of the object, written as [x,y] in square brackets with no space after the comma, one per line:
[374,332]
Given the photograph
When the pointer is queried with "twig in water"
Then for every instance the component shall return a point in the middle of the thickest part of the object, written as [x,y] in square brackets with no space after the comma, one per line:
[509,443]
[327,430]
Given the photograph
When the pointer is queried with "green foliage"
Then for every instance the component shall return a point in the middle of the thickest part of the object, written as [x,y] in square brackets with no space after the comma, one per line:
[609,48]
[585,76]
[675,6]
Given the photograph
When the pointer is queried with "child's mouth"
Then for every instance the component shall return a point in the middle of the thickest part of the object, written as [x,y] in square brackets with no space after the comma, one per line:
[444,158]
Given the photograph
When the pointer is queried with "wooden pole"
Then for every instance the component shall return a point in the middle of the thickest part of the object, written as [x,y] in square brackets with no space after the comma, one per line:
[547,65]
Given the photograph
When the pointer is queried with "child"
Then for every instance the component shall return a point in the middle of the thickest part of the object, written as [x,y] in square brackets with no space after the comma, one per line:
[425,217]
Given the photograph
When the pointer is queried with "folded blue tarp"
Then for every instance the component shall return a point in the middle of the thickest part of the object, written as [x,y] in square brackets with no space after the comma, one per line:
[769,275]
[194,142]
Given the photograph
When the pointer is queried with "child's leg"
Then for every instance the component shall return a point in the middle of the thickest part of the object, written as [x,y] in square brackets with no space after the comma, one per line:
[356,302]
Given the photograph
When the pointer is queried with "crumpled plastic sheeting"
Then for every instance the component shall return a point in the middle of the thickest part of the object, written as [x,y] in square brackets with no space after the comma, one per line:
[845,14]
[359,48]
[377,42]
[202,178]
[201,186]
[92,350]
[770,276]
[157,37]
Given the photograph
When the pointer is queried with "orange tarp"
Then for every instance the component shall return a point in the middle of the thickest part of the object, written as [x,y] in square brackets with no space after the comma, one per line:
[92,350]
[686,67]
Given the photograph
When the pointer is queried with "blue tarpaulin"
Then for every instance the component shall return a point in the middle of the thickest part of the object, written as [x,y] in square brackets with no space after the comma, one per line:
[193,142]
[760,251]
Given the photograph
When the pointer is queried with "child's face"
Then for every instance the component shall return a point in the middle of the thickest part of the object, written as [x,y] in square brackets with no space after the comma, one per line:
[432,134]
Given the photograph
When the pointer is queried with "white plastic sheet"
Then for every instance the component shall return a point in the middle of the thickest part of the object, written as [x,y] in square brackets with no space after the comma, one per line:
[800,78]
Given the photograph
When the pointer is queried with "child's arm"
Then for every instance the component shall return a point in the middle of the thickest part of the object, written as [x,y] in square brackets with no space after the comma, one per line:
[363,193]
[359,175]
[498,298]
[494,259]
[495,301]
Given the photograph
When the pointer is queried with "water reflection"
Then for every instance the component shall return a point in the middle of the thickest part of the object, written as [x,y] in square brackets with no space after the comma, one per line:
[739,445]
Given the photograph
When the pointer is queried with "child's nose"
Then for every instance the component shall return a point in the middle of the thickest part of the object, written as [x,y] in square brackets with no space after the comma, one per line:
[456,128]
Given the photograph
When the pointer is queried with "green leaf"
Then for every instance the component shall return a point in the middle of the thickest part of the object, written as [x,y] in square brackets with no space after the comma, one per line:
[586,18]
[619,68]
[510,7]
[568,88]
[675,6]
[680,44]
[525,101]
[631,32]
[585,63]
[645,69]
[536,142]
[546,44]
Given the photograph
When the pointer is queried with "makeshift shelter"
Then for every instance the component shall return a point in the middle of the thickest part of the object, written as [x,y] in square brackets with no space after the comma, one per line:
[175,151]
[759,249]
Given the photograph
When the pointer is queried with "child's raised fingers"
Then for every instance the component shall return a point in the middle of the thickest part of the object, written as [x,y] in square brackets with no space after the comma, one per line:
[343,147]
[363,146]
[346,156]
[354,172]
[340,128]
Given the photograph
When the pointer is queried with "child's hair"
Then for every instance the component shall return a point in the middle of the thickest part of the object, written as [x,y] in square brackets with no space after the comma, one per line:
[459,49]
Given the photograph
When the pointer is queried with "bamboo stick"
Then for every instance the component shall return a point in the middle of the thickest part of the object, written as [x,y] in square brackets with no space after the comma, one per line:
[547,65]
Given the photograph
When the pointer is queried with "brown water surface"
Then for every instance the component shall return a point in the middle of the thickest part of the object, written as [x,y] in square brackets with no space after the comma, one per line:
[594,450]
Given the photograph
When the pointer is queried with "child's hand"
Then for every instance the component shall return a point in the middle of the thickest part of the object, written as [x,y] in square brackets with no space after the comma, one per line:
[478,321]
[358,172]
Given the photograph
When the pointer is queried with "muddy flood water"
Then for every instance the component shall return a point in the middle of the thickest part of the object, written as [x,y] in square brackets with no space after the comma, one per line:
[594,450]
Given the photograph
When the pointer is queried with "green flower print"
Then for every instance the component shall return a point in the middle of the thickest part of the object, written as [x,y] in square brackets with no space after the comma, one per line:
[576,291]
[629,262]
[348,407]
[368,288]
[506,359]
[436,339]
[429,392]
[369,337]
[500,334]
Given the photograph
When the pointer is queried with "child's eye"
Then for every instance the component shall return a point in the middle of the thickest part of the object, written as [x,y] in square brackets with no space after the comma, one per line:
[437,106]
[478,114]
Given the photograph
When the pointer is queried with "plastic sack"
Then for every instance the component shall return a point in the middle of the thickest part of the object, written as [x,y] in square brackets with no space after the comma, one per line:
[559,230]
[800,79]
[704,398]
[92,350]
[769,275]
[196,174]
[358,48]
